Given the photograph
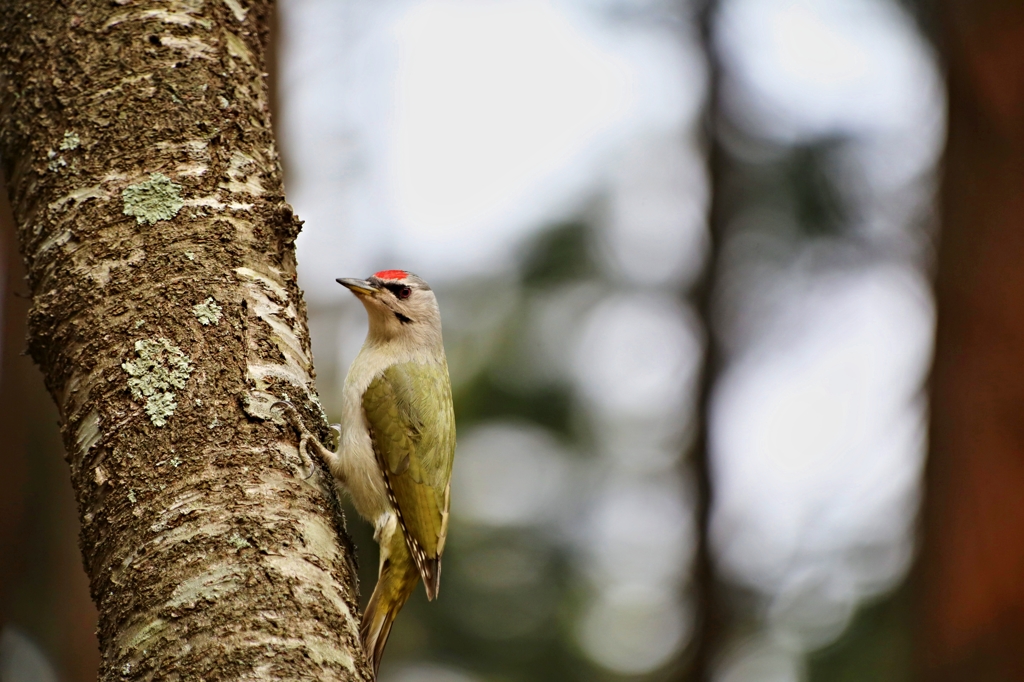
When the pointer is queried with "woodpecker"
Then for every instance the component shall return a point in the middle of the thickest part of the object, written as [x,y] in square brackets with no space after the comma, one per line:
[396,443]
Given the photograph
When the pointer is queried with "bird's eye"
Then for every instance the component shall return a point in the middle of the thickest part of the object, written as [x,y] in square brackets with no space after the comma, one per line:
[404,292]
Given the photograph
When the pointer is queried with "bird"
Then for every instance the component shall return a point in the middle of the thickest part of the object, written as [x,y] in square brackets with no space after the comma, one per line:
[396,443]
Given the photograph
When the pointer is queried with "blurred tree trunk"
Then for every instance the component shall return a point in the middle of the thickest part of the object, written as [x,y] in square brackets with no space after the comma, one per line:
[711,618]
[43,589]
[13,423]
[971,608]
[165,316]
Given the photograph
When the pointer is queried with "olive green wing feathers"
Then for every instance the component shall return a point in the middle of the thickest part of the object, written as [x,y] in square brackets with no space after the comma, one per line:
[408,409]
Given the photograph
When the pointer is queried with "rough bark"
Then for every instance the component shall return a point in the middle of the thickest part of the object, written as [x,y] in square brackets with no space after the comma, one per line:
[147,193]
[971,601]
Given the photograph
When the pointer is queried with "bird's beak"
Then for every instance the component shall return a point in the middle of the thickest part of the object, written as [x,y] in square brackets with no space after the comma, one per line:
[358,286]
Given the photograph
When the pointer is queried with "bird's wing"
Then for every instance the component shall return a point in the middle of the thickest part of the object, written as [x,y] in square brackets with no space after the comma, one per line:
[408,409]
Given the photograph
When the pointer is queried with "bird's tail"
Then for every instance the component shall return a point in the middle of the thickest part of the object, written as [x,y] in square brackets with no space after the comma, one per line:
[395,584]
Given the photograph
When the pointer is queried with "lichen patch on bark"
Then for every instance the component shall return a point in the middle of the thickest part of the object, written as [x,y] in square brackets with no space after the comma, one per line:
[208,312]
[70,141]
[158,367]
[155,199]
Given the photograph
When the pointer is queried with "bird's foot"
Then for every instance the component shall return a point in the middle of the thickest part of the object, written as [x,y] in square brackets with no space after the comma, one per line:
[306,438]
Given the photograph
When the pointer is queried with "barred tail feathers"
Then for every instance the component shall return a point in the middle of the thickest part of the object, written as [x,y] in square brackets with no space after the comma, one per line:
[431,574]
[396,582]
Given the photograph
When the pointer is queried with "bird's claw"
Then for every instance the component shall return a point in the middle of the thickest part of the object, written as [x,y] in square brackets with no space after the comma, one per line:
[291,415]
[306,459]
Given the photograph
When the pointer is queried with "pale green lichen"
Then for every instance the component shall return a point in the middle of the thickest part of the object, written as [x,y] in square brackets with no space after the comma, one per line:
[160,407]
[159,367]
[238,541]
[155,199]
[56,162]
[316,401]
[208,312]
[70,141]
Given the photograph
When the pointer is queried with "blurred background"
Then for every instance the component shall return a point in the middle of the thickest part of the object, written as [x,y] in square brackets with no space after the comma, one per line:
[673,243]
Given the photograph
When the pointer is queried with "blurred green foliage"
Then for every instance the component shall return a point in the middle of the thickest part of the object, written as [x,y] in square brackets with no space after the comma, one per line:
[484,398]
[876,647]
[559,254]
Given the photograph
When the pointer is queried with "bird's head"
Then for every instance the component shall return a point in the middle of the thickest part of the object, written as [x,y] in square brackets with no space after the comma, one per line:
[400,305]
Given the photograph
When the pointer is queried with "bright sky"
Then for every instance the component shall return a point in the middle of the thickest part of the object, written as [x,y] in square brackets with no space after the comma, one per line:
[465,124]
[816,67]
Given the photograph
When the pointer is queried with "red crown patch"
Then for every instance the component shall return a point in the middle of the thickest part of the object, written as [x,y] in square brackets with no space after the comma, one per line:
[391,274]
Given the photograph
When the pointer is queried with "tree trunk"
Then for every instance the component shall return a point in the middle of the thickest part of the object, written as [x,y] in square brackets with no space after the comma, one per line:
[166,318]
[13,424]
[710,618]
[43,589]
[971,607]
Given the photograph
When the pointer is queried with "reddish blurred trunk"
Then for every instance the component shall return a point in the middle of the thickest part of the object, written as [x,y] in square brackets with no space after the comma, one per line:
[12,423]
[43,587]
[972,564]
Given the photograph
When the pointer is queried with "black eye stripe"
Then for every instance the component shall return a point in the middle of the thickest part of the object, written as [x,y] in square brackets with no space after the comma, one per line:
[397,289]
